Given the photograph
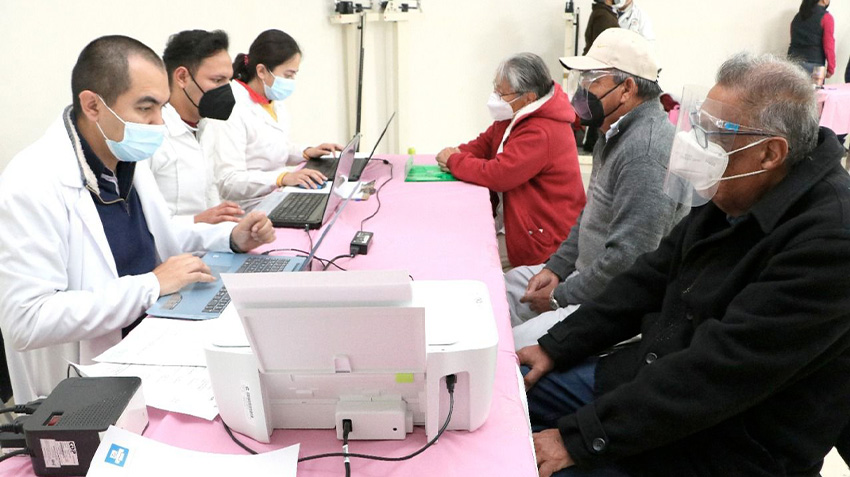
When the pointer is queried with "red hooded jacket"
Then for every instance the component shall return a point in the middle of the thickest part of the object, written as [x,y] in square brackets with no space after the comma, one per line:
[537,173]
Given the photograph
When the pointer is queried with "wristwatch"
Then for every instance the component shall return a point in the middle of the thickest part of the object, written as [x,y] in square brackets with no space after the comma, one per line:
[553,303]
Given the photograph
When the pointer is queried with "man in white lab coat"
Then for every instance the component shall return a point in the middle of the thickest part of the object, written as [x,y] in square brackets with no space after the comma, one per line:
[87,242]
[631,17]
[199,71]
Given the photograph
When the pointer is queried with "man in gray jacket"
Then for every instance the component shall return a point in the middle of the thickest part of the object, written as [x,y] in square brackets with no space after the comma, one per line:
[627,212]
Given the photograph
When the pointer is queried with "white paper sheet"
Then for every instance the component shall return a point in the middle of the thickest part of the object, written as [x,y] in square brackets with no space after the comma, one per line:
[183,389]
[163,342]
[122,453]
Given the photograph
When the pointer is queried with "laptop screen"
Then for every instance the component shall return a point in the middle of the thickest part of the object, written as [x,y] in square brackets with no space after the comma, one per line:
[338,197]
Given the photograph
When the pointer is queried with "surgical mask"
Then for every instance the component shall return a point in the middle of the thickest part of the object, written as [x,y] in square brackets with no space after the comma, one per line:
[216,103]
[140,140]
[281,89]
[500,109]
[589,108]
[701,167]
[619,4]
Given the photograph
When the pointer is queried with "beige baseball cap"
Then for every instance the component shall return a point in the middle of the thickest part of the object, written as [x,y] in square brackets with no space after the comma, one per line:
[618,48]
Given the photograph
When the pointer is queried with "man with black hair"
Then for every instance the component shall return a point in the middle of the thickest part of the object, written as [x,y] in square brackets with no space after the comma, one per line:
[199,71]
[87,243]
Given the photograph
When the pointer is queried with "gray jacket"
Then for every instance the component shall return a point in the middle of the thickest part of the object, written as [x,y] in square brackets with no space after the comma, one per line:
[627,212]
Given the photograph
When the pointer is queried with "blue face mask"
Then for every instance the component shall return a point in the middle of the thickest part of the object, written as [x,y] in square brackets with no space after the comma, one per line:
[281,89]
[140,140]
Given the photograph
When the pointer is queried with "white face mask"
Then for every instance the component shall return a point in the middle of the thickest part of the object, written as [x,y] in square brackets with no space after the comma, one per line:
[500,109]
[700,167]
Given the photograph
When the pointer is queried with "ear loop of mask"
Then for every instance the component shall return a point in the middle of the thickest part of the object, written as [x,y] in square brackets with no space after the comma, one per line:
[199,88]
[746,174]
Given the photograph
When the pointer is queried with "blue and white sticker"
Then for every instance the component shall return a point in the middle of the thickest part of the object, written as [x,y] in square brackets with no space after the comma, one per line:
[117,455]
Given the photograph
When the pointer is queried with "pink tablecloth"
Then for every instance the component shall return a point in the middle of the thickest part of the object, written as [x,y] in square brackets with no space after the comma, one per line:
[835,103]
[435,231]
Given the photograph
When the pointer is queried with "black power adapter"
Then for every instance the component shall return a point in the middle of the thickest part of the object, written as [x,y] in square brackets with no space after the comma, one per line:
[360,243]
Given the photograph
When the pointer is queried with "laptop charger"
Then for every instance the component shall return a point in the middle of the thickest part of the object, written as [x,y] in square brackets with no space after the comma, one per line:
[360,243]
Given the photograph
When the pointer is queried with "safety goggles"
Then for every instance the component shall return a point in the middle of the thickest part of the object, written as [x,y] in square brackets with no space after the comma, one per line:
[710,128]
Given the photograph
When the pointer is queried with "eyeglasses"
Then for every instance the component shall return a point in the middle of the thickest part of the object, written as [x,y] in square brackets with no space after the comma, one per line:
[502,95]
[706,126]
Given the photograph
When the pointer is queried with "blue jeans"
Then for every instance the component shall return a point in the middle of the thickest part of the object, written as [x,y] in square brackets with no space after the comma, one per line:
[558,394]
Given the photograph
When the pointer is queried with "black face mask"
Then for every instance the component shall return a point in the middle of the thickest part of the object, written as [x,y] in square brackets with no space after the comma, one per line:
[216,103]
[589,108]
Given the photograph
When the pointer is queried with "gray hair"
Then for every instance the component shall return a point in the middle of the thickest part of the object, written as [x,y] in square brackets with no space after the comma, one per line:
[776,95]
[646,89]
[525,72]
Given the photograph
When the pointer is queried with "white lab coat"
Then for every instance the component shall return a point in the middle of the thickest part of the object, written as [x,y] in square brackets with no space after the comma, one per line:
[636,20]
[181,171]
[60,295]
[250,149]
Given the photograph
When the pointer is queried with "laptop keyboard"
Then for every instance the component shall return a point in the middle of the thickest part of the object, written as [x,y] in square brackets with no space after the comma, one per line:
[258,264]
[296,207]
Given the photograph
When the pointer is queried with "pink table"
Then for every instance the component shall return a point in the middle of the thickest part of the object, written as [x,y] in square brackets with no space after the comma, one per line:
[435,231]
[834,104]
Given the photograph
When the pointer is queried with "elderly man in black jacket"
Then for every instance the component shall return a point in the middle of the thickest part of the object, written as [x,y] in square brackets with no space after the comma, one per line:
[744,309]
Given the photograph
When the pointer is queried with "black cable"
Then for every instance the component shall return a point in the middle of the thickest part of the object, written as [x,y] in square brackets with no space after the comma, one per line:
[450,385]
[307,231]
[240,444]
[331,261]
[321,260]
[16,427]
[27,408]
[378,198]
[14,453]
[346,429]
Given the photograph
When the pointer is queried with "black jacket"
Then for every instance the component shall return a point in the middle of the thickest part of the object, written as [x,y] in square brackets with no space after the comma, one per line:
[807,37]
[744,365]
[602,17]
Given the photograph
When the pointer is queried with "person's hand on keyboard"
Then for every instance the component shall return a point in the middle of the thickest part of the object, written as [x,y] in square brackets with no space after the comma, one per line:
[224,212]
[322,150]
[306,178]
[179,271]
[253,230]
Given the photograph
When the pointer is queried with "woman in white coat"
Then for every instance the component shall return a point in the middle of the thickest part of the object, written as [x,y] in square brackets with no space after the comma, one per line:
[252,151]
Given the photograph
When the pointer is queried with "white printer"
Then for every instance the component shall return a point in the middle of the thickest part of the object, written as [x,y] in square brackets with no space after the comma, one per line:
[307,350]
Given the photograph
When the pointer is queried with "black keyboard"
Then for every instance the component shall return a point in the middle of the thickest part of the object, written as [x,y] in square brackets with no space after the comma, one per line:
[258,264]
[328,167]
[296,207]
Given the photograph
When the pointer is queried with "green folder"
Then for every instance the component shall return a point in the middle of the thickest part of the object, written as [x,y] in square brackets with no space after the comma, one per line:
[425,173]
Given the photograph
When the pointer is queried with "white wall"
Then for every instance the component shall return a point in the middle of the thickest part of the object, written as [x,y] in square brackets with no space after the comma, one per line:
[455,47]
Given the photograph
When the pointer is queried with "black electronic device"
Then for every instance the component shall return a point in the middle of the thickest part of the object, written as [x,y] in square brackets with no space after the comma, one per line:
[64,432]
[327,165]
[361,242]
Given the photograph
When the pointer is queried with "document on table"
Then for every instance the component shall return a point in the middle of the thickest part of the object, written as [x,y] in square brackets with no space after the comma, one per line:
[183,389]
[122,453]
[164,342]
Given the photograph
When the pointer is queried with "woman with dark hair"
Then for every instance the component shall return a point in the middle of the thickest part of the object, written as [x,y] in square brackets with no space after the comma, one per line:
[252,151]
[812,40]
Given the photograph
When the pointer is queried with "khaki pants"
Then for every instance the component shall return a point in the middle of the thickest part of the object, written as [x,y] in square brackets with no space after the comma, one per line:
[503,253]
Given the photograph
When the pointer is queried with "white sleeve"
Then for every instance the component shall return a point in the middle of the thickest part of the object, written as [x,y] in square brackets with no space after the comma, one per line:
[42,239]
[224,144]
[646,27]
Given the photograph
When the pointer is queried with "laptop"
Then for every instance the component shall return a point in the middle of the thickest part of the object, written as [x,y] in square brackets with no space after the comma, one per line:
[202,301]
[326,164]
[309,209]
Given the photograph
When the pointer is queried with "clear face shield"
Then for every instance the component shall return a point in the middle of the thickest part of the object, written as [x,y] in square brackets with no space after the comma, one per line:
[704,140]
[587,105]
